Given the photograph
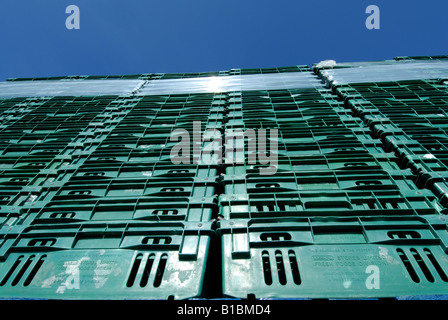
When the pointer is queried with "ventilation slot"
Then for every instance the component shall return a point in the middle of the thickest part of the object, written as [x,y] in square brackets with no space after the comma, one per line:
[266,268]
[294,267]
[408,265]
[34,271]
[160,270]
[147,271]
[436,265]
[422,265]
[280,267]
[11,271]
[134,270]
[23,270]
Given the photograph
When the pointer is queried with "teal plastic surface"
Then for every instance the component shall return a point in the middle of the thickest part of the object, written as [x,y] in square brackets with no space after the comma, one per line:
[333,258]
[105,261]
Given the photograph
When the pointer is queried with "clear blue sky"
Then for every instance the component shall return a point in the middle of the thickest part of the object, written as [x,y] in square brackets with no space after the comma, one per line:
[144,36]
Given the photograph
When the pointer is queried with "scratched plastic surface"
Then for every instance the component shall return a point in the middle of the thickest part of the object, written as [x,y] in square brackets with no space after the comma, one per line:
[386,72]
[273,81]
[68,88]
[104,261]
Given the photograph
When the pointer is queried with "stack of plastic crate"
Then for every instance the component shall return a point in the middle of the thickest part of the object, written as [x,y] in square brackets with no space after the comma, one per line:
[93,206]
[335,218]
[298,190]
[407,114]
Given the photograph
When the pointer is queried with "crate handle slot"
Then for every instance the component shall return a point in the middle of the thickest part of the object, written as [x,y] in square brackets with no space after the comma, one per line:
[345,149]
[18,179]
[172,189]
[94,174]
[178,171]
[41,242]
[355,164]
[267,185]
[165,212]
[80,192]
[275,236]
[266,267]
[404,235]
[61,215]
[368,182]
[156,240]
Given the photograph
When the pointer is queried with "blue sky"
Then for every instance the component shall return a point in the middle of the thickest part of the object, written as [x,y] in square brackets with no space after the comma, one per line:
[144,36]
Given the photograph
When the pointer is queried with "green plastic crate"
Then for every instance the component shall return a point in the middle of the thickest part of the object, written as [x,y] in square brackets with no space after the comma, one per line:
[123,188]
[321,180]
[338,162]
[330,203]
[105,261]
[138,209]
[333,258]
